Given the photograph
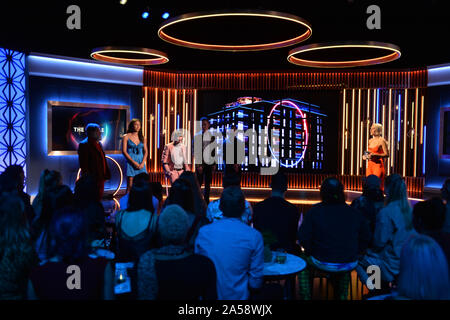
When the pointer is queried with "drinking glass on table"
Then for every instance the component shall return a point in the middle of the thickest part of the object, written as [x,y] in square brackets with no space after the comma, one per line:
[280,256]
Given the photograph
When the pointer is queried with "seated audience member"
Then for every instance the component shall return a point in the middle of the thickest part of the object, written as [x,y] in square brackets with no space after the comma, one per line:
[17,255]
[172,272]
[423,271]
[332,234]
[371,201]
[13,179]
[140,177]
[181,194]
[445,191]
[428,219]
[69,245]
[214,213]
[136,226]
[393,227]
[157,191]
[86,199]
[236,249]
[278,216]
[199,201]
[54,200]
[48,182]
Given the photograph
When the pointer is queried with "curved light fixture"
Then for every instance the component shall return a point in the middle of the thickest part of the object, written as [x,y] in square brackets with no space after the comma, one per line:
[287,103]
[105,54]
[393,55]
[120,171]
[241,13]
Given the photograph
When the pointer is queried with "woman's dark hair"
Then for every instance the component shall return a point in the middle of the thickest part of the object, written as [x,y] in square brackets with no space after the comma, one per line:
[12,179]
[429,216]
[157,190]
[182,195]
[68,235]
[199,201]
[131,129]
[85,191]
[54,200]
[232,202]
[332,191]
[140,197]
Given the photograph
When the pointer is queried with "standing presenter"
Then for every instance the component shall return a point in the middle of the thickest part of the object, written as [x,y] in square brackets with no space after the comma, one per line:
[134,149]
[377,151]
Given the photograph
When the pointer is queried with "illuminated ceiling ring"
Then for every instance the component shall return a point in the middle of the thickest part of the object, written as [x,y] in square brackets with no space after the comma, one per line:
[120,171]
[305,125]
[393,55]
[235,48]
[105,54]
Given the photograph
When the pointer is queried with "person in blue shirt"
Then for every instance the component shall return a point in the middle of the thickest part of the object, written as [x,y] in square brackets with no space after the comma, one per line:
[236,249]
[134,149]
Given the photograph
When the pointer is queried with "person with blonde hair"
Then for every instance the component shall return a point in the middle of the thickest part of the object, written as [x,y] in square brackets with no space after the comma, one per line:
[423,271]
[392,228]
[377,151]
[174,157]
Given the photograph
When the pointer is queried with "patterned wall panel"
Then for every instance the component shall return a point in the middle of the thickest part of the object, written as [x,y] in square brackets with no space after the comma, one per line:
[12,109]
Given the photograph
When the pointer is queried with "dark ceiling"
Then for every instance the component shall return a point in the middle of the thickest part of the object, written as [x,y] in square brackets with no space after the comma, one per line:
[419,28]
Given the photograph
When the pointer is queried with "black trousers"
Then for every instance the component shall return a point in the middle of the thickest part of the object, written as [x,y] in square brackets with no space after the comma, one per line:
[206,175]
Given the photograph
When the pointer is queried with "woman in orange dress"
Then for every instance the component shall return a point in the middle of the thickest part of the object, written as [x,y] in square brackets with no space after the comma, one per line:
[378,150]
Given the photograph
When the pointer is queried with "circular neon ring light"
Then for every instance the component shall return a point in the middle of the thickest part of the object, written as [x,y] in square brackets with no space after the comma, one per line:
[305,125]
[249,13]
[345,64]
[104,54]
[120,170]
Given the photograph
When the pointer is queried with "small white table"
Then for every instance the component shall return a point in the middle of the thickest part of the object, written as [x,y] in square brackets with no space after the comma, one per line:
[287,271]
[293,265]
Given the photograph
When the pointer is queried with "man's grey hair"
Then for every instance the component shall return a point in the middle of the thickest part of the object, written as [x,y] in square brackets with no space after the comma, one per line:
[173,225]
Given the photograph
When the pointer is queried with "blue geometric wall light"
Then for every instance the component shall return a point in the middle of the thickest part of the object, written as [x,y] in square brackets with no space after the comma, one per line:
[13,148]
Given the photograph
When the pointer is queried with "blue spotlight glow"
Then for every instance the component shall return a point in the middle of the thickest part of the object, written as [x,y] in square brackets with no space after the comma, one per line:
[145,15]
[165,15]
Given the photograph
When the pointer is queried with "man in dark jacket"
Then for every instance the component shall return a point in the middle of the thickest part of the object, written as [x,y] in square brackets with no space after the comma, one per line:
[332,234]
[277,216]
[92,158]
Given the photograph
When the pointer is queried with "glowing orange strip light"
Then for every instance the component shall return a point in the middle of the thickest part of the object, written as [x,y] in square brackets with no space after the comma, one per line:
[103,54]
[344,64]
[353,127]
[358,141]
[421,121]
[219,47]
[416,131]
[343,133]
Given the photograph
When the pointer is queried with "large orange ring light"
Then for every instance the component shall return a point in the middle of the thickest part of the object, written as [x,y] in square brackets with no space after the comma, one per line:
[242,13]
[120,171]
[394,55]
[104,54]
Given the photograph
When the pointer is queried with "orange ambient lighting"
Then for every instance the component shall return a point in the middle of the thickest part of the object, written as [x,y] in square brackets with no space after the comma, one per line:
[244,13]
[105,54]
[344,64]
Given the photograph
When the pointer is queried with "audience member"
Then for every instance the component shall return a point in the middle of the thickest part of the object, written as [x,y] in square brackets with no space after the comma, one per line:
[136,226]
[13,179]
[17,255]
[423,271]
[278,216]
[428,219]
[371,201]
[445,191]
[393,227]
[58,198]
[199,201]
[69,246]
[332,235]
[236,249]
[48,182]
[172,272]
[86,199]
[181,194]
[214,213]
[141,177]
